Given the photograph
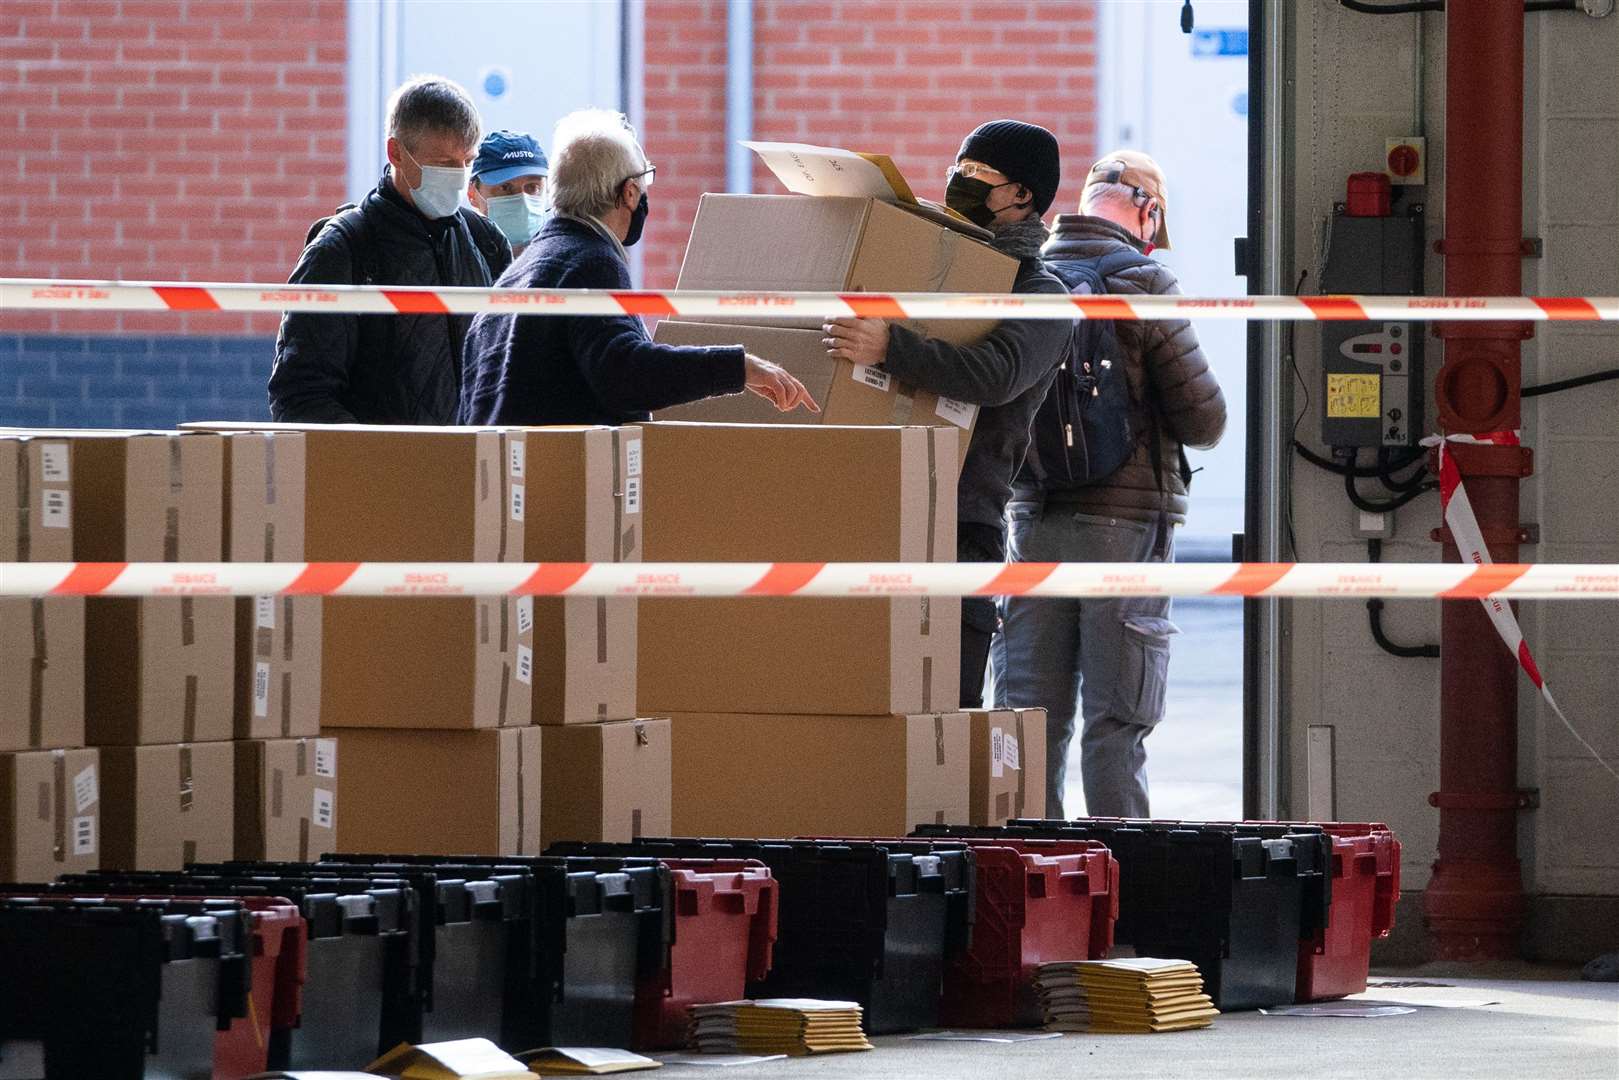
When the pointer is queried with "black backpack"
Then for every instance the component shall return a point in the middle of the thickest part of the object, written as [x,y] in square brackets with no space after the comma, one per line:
[348,220]
[1082,431]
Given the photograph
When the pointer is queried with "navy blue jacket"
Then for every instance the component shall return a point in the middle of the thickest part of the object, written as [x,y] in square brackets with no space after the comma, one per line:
[578,369]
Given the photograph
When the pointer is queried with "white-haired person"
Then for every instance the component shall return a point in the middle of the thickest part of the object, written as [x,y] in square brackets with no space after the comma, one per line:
[592,369]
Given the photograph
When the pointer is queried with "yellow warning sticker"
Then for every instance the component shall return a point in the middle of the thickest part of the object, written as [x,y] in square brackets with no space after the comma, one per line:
[1354,397]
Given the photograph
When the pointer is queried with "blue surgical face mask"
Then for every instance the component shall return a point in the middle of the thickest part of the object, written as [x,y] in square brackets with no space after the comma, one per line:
[439,194]
[519,216]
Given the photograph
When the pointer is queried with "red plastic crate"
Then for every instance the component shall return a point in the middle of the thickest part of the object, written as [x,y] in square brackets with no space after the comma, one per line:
[1365,886]
[724,930]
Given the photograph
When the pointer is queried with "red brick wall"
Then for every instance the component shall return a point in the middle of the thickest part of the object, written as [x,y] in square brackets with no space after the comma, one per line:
[905,77]
[187,140]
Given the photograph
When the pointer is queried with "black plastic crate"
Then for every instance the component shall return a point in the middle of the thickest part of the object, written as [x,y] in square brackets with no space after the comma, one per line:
[858,921]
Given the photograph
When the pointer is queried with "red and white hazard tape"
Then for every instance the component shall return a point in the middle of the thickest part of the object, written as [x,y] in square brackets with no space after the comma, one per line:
[45,295]
[1443,581]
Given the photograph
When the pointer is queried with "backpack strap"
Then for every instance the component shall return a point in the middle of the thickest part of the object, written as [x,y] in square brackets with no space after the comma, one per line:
[487,239]
[350,223]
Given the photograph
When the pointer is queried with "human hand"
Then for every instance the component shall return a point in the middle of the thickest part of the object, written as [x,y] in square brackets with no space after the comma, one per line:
[775,385]
[859,341]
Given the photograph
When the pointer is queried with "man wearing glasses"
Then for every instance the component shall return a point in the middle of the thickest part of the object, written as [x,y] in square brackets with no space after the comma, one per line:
[575,369]
[1006,176]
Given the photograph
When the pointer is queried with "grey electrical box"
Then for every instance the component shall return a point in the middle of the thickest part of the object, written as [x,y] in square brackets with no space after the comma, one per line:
[1372,372]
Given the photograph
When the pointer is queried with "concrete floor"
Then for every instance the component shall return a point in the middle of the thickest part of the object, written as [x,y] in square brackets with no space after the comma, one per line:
[1546,1025]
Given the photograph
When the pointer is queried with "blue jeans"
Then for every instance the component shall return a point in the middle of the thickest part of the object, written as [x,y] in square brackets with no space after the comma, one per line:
[1102,661]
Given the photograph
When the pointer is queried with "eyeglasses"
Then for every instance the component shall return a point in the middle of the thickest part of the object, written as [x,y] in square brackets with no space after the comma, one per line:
[972,170]
[646,176]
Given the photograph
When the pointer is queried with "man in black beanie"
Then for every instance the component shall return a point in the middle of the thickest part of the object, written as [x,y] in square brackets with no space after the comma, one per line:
[1005,177]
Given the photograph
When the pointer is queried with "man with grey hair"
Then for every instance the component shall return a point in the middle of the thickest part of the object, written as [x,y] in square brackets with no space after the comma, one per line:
[410,230]
[578,369]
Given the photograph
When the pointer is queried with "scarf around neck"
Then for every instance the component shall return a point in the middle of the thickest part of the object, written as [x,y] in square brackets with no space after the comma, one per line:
[1021,239]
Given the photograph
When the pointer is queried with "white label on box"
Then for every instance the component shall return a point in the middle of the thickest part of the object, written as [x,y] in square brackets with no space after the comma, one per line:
[1010,753]
[261,689]
[525,614]
[997,752]
[517,502]
[264,612]
[325,757]
[53,462]
[518,449]
[959,413]
[632,495]
[325,813]
[84,835]
[56,509]
[870,376]
[85,790]
[525,664]
[632,457]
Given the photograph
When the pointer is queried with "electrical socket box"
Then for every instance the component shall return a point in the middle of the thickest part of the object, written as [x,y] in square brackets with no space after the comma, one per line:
[1372,372]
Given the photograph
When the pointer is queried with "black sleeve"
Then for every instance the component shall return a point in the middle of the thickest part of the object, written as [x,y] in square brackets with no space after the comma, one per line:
[1016,355]
[314,353]
[627,371]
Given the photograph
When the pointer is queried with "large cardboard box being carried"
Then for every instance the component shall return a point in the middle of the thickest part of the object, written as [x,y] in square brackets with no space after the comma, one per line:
[278,639]
[607,781]
[754,775]
[1008,765]
[416,494]
[745,493]
[584,505]
[158,670]
[41,638]
[440,792]
[49,806]
[165,806]
[286,796]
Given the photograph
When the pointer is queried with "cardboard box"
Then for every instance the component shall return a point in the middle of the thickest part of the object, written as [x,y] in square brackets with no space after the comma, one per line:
[729,493]
[41,638]
[157,670]
[847,393]
[758,776]
[165,806]
[50,802]
[607,781]
[1008,765]
[440,792]
[286,795]
[584,505]
[416,494]
[278,639]
[787,243]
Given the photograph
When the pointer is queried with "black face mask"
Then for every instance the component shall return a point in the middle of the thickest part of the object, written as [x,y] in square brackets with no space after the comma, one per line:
[968,196]
[637,222]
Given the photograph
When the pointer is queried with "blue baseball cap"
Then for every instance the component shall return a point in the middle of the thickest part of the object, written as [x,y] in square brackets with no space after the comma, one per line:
[504,155]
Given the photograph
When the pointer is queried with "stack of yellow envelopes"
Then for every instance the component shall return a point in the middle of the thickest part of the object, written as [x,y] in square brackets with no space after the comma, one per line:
[1126,996]
[792,1026]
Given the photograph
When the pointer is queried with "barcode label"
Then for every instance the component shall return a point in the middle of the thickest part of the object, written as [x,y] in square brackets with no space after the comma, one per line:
[870,376]
[997,752]
[85,790]
[525,614]
[84,835]
[264,612]
[518,450]
[261,689]
[55,505]
[525,664]
[517,502]
[53,462]
[632,495]
[326,757]
[959,413]
[1009,752]
[324,813]
[632,457]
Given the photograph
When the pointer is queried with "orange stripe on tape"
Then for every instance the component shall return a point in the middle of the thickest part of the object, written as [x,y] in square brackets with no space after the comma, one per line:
[645,304]
[320,578]
[1104,307]
[88,578]
[1567,307]
[1486,580]
[186,298]
[1017,579]
[549,579]
[1333,307]
[873,305]
[784,579]
[1252,579]
[416,303]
